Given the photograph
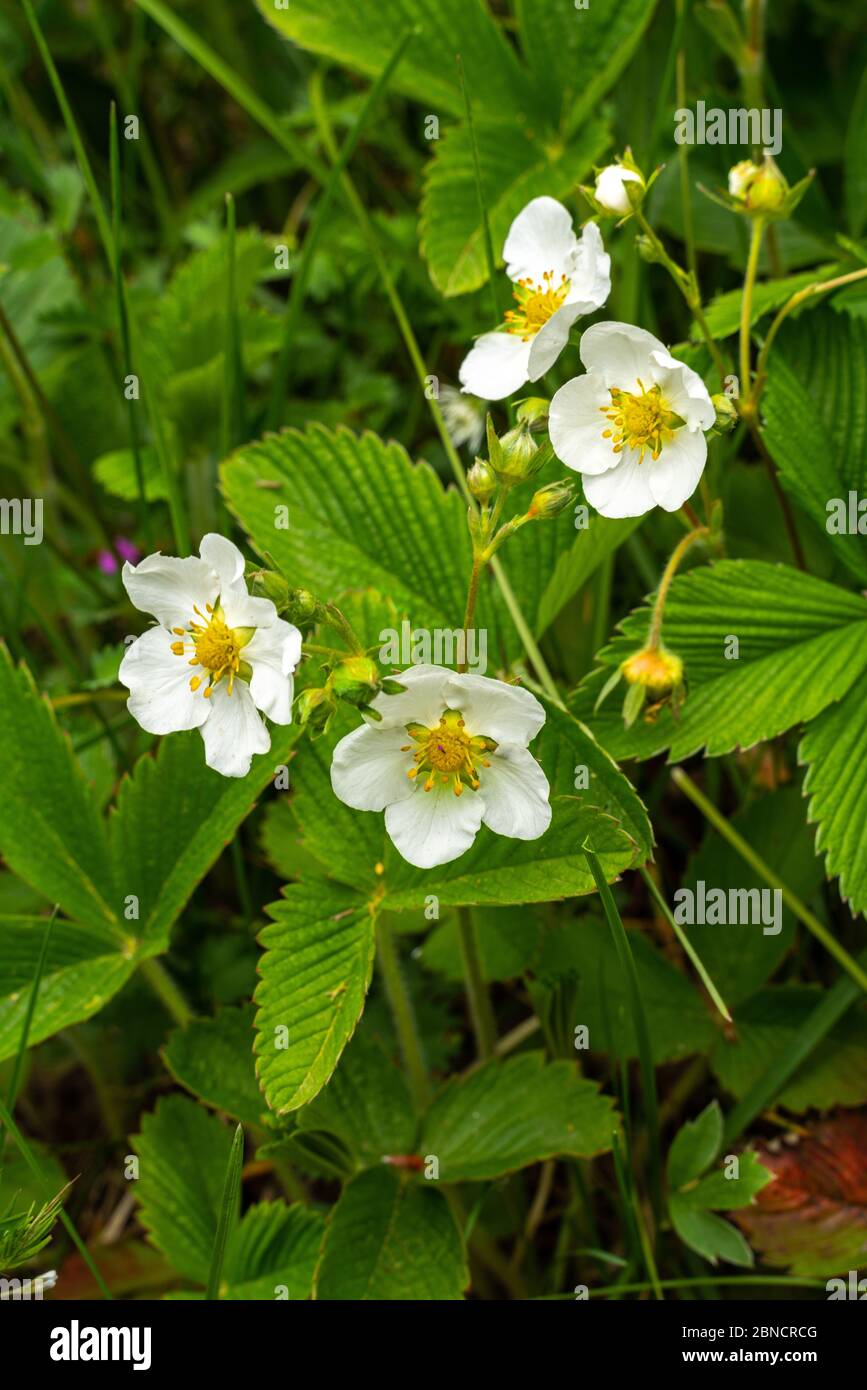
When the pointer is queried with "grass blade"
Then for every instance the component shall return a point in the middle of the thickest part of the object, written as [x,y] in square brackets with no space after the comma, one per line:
[687,946]
[29,1011]
[639,1022]
[748,854]
[483,209]
[228,1212]
[302,271]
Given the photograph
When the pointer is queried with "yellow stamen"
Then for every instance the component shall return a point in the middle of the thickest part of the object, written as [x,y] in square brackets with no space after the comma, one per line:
[449,752]
[536,305]
[643,422]
[217,648]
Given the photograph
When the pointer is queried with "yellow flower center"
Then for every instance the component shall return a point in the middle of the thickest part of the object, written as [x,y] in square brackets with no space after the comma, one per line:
[639,422]
[536,304]
[447,752]
[215,646]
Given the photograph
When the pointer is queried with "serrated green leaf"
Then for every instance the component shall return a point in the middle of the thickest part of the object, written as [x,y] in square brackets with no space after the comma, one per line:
[360,514]
[516,166]
[507,1115]
[695,1146]
[815,411]
[362,33]
[315,973]
[213,1058]
[366,1104]
[85,966]
[801,645]
[51,832]
[388,1239]
[834,749]
[183,1153]
[577,53]
[272,1253]
[173,817]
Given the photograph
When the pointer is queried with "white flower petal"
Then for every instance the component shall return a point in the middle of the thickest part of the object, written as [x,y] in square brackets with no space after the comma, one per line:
[591,277]
[674,476]
[576,424]
[233,731]
[505,713]
[422,702]
[541,239]
[368,769]
[240,608]
[515,792]
[496,365]
[170,588]
[683,391]
[624,490]
[273,652]
[159,684]
[430,828]
[620,354]
[549,342]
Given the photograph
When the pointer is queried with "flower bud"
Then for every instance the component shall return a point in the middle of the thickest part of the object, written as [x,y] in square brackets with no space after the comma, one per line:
[658,671]
[611,191]
[534,410]
[482,480]
[520,456]
[301,608]
[315,708]
[760,187]
[551,500]
[267,584]
[726,412]
[356,679]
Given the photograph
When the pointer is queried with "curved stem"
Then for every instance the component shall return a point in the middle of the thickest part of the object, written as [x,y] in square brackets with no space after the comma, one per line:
[163,985]
[820,287]
[668,574]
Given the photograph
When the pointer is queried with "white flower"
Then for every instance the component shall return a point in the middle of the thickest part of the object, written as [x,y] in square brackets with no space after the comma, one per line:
[741,176]
[449,755]
[243,654]
[464,417]
[633,425]
[610,192]
[557,278]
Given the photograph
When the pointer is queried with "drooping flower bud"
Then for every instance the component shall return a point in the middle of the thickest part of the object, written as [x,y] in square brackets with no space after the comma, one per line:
[655,675]
[315,708]
[550,501]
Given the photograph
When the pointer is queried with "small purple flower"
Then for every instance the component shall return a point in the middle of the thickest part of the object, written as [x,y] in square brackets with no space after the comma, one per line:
[106,560]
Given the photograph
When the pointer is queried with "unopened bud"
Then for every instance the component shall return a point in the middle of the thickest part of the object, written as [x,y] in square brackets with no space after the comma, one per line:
[315,708]
[301,607]
[760,187]
[356,679]
[550,501]
[619,189]
[521,457]
[268,584]
[657,670]
[726,412]
[534,410]
[482,480]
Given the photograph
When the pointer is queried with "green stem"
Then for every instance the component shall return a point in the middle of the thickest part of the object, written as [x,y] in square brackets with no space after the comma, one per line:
[821,287]
[164,986]
[748,854]
[479,999]
[683,545]
[228,1212]
[686,944]
[683,150]
[747,314]
[403,1015]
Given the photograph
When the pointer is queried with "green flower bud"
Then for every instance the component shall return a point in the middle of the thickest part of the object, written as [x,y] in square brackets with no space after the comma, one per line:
[315,708]
[267,584]
[302,608]
[356,679]
[550,501]
[726,413]
[482,480]
[521,457]
[534,410]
